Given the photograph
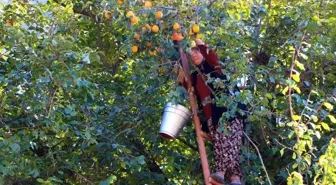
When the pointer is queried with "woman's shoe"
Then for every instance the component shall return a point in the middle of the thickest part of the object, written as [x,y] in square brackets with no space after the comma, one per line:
[217,178]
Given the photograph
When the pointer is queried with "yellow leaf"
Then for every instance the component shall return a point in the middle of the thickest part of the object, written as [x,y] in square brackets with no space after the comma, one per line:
[314,92]
[123,164]
[296,78]
[325,126]
[296,117]
[328,106]
[300,65]
[3,57]
[292,124]
[285,90]
[297,89]
[314,118]
[332,118]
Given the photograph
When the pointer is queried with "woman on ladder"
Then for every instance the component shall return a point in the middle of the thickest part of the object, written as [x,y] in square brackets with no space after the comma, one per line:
[226,147]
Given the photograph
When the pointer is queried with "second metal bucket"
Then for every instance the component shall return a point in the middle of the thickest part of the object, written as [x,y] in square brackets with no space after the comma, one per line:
[174,118]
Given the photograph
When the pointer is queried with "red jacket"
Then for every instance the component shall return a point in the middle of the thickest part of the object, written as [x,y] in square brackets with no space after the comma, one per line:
[201,89]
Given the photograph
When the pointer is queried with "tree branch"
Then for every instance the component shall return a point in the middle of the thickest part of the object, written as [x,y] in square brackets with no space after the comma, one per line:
[320,107]
[294,57]
[211,3]
[188,144]
[85,11]
[100,46]
[91,15]
[152,165]
[260,157]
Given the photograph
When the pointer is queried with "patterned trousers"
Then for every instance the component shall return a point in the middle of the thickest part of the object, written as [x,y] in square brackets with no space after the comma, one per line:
[227,147]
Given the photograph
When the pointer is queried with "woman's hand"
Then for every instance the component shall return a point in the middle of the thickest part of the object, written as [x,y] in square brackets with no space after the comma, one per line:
[199,42]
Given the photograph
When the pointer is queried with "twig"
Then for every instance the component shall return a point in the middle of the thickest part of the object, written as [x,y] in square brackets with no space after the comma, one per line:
[52,29]
[82,177]
[305,107]
[296,52]
[211,3]
[85,11]
[174,61]
[294,56]
[202,76]
[262,163]
[128,129]
[283,145]
[168,8]
[188,144]
[100,46]
[319,108]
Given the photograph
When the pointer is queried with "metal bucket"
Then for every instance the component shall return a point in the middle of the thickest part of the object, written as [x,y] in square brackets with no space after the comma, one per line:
[173,120]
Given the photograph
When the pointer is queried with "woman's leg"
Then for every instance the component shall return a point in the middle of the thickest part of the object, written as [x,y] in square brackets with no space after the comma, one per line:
[227,148]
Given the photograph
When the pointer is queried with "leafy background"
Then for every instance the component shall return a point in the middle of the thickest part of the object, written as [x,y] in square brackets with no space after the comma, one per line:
[78,107]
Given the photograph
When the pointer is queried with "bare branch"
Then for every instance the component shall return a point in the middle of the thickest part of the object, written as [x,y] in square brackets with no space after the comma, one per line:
[260,157]
[294,57]
[211,3]
[100,45]
[320,107]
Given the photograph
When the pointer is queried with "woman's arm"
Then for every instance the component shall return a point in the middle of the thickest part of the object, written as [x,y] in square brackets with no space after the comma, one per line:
[211,58]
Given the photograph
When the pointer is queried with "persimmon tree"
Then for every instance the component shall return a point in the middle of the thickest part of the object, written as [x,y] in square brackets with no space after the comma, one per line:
[83,85]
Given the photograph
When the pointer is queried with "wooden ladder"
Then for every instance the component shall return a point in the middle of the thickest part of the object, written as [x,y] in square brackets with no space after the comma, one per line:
[199,134]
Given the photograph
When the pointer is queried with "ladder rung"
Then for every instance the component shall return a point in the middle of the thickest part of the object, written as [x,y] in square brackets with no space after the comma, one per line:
[206,136]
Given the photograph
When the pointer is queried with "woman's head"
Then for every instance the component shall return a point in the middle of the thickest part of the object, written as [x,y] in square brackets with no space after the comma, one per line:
[196,56]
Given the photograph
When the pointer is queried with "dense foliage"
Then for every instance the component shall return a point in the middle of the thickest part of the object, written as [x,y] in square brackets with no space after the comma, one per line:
[79,104]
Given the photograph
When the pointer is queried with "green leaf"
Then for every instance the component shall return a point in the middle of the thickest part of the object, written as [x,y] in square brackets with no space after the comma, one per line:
[290,135]
[109,181]
[332,118]
[314,92]
[303,56]
[290,82]
[325,126]
[86,58]
[15,147]
[40,180]
[269,95]
[295,165]
[328,106]
[128,151]
[123,164]
[296,78]
[68,109]
[273,59]
[141,160]
[35,173]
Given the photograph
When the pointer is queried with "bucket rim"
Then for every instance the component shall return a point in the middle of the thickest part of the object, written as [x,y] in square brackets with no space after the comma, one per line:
[173,136]
[178,106]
